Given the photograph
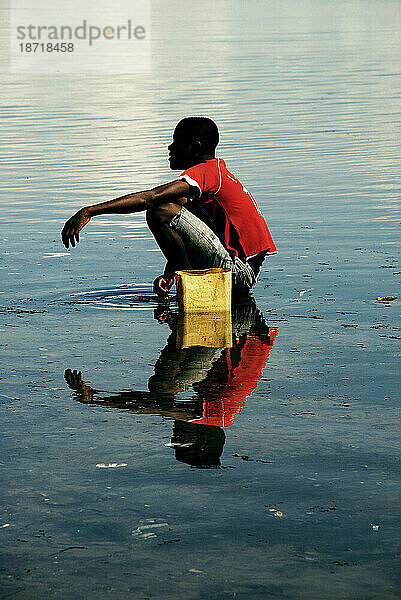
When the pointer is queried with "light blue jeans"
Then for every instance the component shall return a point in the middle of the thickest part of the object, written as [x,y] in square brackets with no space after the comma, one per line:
[205,250]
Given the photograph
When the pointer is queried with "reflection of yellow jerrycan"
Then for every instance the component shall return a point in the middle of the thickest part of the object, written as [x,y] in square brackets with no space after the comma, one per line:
[206,290]
[211,330]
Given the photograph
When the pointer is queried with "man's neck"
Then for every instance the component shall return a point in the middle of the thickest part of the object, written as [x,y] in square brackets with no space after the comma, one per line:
[200,159]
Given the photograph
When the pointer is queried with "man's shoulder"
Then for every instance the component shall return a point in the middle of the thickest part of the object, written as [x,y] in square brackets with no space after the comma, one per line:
[205,175]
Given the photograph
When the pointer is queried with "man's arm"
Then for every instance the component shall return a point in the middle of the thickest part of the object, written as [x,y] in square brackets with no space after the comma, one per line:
[139,201]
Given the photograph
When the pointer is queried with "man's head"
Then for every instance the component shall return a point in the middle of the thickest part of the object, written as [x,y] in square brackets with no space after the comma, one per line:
[194,140]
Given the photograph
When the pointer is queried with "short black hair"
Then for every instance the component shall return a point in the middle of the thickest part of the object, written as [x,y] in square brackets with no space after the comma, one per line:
[200,128]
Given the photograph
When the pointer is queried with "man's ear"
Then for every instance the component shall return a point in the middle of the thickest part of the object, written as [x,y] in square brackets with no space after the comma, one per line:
[196,147]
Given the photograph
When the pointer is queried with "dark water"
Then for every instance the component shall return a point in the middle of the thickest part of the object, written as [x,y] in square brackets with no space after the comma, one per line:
[289,487]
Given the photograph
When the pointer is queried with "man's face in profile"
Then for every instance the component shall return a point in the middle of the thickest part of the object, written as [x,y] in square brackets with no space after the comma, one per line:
[181,151]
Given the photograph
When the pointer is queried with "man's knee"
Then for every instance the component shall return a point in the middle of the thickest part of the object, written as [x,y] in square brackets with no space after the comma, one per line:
[162,214]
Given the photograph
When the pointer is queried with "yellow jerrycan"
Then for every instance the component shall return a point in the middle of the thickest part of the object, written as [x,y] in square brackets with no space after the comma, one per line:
[204,291]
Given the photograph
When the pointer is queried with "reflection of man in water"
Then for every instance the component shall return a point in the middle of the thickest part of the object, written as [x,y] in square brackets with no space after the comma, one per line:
[221,378]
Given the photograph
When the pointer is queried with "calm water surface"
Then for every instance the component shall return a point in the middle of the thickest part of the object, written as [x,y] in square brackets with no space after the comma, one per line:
[288,484]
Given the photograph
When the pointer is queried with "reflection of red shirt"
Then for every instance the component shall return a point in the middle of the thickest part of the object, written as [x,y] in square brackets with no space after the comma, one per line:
[232,209]
[242,380]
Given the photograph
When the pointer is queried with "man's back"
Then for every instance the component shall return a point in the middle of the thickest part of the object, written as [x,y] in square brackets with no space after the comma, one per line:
[231,207]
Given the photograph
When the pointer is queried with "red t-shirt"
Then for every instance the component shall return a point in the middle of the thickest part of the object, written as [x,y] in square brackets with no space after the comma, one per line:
[242,381]
[232,209]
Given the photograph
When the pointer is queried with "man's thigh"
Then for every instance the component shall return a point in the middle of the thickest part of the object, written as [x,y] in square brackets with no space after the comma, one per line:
[204,248]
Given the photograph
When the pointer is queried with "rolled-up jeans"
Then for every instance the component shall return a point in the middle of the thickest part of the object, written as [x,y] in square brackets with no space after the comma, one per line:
[205,250]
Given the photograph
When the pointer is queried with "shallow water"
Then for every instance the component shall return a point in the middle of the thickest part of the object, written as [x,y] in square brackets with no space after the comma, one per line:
[109,490]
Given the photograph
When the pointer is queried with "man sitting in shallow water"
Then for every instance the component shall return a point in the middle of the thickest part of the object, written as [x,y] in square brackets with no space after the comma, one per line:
[206,218]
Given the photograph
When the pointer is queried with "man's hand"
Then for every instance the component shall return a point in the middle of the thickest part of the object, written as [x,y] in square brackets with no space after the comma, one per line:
[83,392]
[73,226]
[162,285]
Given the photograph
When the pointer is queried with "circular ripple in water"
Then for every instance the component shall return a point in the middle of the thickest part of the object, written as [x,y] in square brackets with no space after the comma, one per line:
[127,297]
